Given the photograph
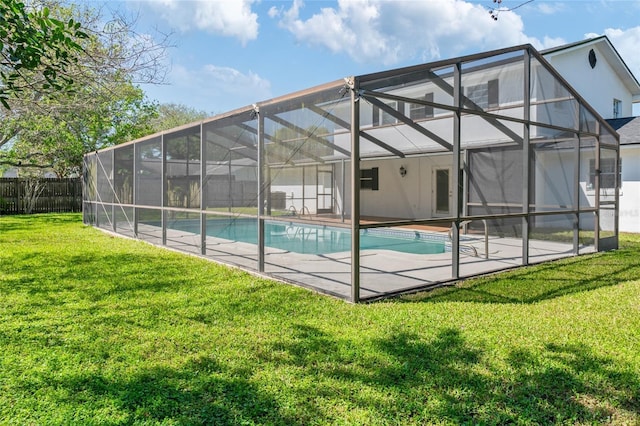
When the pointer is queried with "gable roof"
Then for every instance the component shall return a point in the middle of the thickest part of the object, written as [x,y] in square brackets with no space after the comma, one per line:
[611,55]
[628,128]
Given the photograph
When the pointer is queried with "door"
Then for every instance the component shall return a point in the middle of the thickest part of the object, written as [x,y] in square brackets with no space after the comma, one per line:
[324,191]
[441,191]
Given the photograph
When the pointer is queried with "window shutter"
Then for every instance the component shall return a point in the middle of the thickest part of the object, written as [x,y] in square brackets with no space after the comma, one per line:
[493,93]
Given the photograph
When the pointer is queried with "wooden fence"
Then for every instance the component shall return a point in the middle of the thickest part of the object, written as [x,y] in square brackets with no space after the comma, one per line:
[53,196]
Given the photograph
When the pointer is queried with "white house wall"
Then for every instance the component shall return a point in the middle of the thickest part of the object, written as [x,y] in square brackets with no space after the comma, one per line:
[598,85]
[408,197]
[629,220]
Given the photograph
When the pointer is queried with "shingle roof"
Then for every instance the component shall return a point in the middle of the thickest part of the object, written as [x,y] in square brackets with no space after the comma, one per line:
[574,44]
[628,128]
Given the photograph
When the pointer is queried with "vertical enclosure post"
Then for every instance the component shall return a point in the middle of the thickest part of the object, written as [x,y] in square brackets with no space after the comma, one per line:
[526,157]
[304,169]
[355,191]
[576,194]
[134,190]
[95,186]
[455,170]
[163,173]
[596,231]
[268,209]
[230,186]
[203,202]
[261,189]
[114,197]
[344,188]
[618,182]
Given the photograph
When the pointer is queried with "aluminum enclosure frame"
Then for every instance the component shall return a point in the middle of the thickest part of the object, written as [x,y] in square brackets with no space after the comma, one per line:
[501,164]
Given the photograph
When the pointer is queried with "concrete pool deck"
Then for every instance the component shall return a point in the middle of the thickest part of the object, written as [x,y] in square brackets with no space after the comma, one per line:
[382,272]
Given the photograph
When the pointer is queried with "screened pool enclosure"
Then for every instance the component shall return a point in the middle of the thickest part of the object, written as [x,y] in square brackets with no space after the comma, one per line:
[378,184]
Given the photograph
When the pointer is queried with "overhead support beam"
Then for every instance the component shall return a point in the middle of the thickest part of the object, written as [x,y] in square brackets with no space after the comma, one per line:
[370,96]
[282,158]
[340,122]
[465,104]
[396,77]
[469,104]
[253,131]
[236,149]
[308,134]
[234,139]
[381,144]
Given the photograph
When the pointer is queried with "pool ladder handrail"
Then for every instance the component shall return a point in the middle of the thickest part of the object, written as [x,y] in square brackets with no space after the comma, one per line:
[486,238]
[292,209]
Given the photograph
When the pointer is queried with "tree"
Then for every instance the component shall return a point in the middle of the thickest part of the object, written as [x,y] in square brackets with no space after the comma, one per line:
[173,115]
[103,107]
[33,40]
[59,141]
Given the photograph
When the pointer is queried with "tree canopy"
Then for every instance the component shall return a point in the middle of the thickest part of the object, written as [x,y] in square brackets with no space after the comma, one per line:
[94,103]
[34,40]
[173,115]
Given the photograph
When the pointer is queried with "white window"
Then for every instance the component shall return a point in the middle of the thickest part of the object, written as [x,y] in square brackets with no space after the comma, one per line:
[382,118]
[617,108]
[418,111]
[484,95]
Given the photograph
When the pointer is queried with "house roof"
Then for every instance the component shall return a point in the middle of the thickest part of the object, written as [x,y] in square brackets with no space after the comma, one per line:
[611,55]
[628,128]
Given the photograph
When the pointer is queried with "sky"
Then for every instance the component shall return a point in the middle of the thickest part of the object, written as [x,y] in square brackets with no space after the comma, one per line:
[231,53]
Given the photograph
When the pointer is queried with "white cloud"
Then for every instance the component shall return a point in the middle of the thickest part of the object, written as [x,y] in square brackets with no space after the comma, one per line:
[391,31]
[273,12]
[548,42]
[212,88]
[228,18]
[549,8]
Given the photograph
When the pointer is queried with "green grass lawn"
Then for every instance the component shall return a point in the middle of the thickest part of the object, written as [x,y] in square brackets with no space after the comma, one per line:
[108,331]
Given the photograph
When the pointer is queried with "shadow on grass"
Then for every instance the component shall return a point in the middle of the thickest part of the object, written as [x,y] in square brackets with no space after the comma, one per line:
[200,392]
[401,378]
[396,378]
[412,380]
[543,281]
[98,274]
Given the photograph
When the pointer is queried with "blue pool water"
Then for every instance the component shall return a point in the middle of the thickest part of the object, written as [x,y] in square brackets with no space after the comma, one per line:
[313,239]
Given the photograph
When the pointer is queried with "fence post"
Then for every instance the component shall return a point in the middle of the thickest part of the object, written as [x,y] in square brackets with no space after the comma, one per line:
[73,196]
[18,195]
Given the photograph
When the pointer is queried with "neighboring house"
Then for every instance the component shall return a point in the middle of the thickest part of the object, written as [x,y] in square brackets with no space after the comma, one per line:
[10,173]
[629,131]
[595,69]
[14,173]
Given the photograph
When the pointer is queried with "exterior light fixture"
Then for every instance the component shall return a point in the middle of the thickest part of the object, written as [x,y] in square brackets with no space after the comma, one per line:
[403,171]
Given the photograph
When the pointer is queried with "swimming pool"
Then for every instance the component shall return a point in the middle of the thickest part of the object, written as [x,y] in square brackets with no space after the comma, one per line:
[318,239]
